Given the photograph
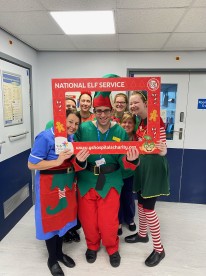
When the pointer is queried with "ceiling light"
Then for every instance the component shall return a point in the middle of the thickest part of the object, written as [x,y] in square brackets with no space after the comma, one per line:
[85,22]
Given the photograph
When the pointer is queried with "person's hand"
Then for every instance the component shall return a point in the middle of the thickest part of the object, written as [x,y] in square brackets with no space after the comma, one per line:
[162,147]
[82,155]
[66,154]
[132,154]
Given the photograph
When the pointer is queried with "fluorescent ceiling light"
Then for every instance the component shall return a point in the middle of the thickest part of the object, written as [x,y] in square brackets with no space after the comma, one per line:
[85,22]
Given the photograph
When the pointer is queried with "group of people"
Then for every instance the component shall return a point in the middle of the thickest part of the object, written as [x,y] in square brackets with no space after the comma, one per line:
[99,187]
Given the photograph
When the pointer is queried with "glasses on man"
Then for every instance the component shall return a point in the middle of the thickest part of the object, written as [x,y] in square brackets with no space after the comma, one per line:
[122,103]
[100,111]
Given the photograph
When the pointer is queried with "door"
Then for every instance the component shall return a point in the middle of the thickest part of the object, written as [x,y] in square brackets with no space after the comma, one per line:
[15,144]
[193,183]
[173,98]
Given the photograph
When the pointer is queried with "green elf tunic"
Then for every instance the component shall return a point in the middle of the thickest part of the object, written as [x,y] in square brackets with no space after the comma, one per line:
[152,176]
[86,179]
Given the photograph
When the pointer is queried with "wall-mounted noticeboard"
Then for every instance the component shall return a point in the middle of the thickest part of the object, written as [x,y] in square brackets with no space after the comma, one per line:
[12,98]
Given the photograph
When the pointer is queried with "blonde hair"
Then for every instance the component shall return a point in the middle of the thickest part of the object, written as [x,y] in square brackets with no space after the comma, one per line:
[126,116]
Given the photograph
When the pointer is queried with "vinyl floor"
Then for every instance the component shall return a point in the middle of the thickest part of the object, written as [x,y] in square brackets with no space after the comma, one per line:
[183,234]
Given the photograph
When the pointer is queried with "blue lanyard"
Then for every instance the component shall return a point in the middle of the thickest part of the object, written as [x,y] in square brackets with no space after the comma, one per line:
[105,138]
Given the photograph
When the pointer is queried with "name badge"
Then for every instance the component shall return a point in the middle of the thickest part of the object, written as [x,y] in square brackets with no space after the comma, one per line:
[100,162]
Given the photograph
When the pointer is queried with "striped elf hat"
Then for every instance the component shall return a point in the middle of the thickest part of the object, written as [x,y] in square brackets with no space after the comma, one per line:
[102,98]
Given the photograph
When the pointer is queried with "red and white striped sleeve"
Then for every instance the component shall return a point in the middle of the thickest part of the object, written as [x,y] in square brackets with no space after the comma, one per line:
[162,131]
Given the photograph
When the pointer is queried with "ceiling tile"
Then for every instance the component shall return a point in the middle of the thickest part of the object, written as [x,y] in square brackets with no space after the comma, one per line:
[142,41]
[98,42]
[20,5]
[193,21]
[139,4]
[148,21]
[73,5]
[199,3]
[186,40]
[49,42]
[29,23]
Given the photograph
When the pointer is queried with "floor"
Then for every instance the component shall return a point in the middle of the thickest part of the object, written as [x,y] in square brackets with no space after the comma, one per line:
[183,231]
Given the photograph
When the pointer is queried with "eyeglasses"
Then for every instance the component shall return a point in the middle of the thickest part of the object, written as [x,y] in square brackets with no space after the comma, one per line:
[120,102]
[99,111]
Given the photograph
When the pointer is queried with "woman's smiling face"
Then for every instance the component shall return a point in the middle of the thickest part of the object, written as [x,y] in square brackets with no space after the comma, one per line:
[120,104]
[137,106]
[85,103]
[72,123]
[128,125]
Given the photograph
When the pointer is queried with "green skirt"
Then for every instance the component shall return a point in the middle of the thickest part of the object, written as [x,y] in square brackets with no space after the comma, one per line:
[151,177]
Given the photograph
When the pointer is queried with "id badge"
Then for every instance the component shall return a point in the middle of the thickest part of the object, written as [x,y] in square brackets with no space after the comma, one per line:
[100,162]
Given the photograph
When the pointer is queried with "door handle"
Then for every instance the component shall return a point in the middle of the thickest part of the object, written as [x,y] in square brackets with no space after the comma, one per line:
[2,142]
[17,136]
[180,131]
[182,117]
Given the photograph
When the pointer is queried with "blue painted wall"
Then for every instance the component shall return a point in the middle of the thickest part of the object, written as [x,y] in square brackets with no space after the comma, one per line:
[14,175]
[193,189]
[187,181]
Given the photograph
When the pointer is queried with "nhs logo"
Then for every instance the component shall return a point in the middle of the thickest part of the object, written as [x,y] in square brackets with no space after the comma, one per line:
[201,104]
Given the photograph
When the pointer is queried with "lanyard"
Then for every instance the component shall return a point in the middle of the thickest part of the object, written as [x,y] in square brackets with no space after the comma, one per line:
[105,138]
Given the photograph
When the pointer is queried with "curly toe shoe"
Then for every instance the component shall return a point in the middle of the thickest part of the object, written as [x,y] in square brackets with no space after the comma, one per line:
[154,258]
[136,238]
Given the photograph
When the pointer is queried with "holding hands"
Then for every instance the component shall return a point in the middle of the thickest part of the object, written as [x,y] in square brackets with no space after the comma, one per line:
[82,155]
[132,154]
[66,154]
[162,148]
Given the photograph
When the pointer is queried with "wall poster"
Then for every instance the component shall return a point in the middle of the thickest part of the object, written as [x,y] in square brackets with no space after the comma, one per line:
[12,98]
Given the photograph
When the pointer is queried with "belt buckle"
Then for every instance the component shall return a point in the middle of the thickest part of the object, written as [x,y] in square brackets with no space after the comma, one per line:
[96,170]
[69,170]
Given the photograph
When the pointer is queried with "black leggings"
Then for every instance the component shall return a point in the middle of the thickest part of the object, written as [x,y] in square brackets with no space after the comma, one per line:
[148,203]
[54,247]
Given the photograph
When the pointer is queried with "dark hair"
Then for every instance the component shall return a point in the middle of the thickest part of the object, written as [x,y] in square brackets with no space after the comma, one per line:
[69,98]
[142,93]
[73,111]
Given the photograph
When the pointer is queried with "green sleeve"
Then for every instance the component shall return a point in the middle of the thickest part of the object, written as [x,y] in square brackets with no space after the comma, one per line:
[49,124]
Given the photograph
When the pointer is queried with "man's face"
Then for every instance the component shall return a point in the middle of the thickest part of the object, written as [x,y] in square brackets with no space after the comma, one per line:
[70,104]
[103,115]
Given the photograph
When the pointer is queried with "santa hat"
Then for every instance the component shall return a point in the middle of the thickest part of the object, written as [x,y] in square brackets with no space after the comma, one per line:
[102,98]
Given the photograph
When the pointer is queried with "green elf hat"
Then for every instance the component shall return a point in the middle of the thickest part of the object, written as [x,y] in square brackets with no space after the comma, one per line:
[102,98]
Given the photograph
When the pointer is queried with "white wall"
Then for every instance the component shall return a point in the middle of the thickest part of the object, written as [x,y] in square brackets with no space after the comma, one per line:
[24,53]
[96,64]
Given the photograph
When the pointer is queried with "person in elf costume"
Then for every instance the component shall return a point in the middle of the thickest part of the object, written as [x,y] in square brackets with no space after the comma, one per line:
[99,185]
[70,103]
[72,234]
[120,106]
[85,103]
[151,180]
[55,191]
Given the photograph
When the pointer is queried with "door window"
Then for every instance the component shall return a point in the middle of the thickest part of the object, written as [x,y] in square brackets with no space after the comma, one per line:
[168,107]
